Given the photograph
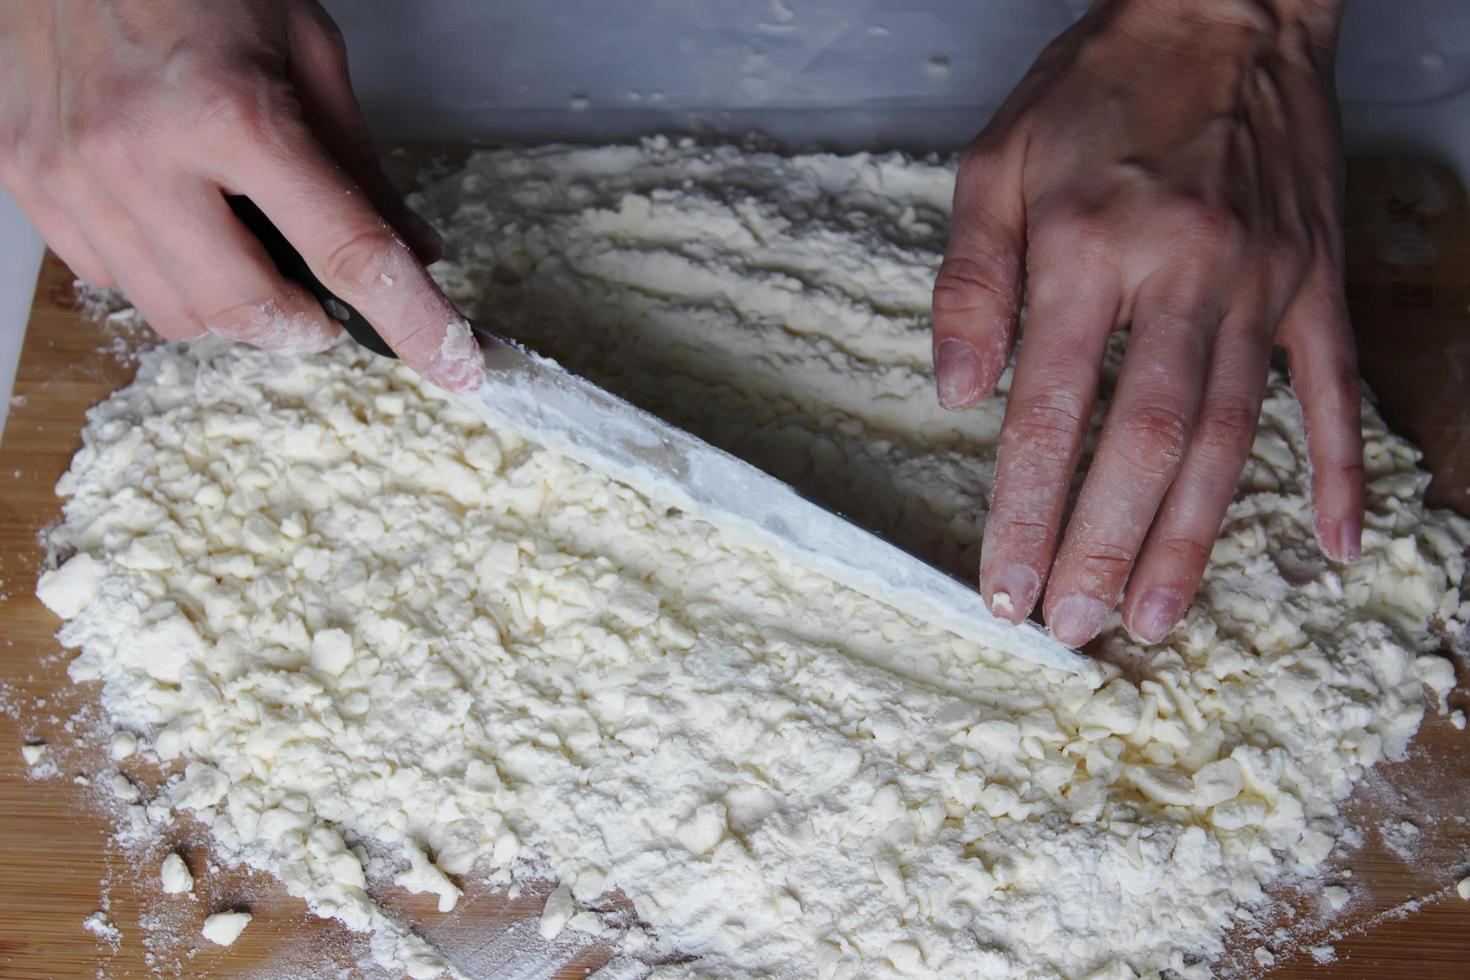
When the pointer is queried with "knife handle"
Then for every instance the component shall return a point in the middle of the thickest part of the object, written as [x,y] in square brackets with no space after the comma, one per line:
[291,265]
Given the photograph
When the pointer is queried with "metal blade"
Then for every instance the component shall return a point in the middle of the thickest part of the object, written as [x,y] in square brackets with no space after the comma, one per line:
[574,417]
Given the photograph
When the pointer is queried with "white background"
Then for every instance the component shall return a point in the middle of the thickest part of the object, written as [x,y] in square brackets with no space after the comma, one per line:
[917,74]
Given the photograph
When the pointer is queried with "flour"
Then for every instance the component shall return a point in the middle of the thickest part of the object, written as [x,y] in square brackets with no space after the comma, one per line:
[99,925]
[355,617]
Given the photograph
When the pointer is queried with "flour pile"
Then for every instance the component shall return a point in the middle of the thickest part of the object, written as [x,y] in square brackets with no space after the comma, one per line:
[352,614]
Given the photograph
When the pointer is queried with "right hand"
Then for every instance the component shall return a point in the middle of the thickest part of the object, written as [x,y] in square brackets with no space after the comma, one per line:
[123,125]
[1173,165]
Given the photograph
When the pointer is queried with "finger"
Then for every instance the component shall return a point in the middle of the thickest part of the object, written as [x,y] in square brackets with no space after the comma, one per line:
[977,293]
[354,252]
[1324,372]
[1046,419]
[226,276]
[1178,546]
[63,237]
[66,241]
[121,247]
[1142,447]
[317,64]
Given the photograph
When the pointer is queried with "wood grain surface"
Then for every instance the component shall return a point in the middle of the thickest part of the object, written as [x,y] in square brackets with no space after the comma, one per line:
[1409,241]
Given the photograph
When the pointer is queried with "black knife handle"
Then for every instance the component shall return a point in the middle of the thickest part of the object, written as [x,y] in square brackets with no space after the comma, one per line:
[294,267]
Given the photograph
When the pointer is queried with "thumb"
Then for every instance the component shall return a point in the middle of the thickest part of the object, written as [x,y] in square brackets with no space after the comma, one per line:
[977,294]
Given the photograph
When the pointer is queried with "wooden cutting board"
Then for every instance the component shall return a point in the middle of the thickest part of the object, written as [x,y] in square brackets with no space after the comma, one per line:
[1409,253]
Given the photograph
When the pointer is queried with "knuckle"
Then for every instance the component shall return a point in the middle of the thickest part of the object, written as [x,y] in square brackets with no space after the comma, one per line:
[64,181]
[1047,426]
[333,40]
[1019,529]
[1107,555]
[110,142]
[225,105]
[1211,223]
[1185,553]
[1352,472]
[1349,386]
[357,262]
[1227,429]
[246,102]
[27,158]
[1155,438]
[965,283]
[1090,234]
[1070,246]
[1076,238]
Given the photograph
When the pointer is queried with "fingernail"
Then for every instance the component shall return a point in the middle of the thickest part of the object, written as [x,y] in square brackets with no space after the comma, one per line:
[1013,593]
[458,364]
[1076,619]
[1349,539]
[957,373]
[1156,613]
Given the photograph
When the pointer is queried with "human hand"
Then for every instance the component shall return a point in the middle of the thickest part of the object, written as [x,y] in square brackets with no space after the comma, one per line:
[1174,165]
[123,125]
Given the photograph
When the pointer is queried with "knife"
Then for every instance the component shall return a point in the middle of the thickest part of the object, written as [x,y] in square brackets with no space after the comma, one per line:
[570,415]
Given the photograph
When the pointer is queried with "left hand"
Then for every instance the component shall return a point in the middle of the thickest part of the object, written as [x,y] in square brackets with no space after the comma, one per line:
[1174,165]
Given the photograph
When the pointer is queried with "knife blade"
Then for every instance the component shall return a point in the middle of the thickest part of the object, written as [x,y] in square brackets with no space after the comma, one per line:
[570,415]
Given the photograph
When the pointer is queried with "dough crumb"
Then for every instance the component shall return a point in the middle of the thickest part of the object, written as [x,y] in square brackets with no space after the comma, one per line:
[124,788]
[557,913]
[1463,888]
[175,876]
[123,745]
[33,753]
[223,928]
[67,590]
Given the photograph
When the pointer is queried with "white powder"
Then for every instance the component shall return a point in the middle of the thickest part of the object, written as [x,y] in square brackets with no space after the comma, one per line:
[99,925]
[356,614]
